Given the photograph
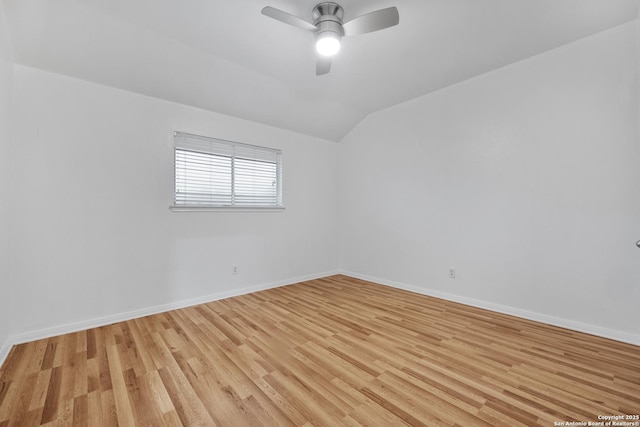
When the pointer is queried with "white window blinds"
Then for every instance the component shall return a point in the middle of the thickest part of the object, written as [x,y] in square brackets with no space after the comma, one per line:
[212,172]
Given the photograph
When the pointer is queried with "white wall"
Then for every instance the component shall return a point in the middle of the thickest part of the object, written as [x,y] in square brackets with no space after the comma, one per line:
[93,235]
[6,99]
[525,179]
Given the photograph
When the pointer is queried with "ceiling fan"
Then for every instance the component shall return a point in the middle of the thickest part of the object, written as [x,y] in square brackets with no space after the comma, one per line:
[329,29]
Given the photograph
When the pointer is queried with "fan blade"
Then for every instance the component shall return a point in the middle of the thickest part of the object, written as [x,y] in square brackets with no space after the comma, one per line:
[323,65]
[287,18]
[374,21]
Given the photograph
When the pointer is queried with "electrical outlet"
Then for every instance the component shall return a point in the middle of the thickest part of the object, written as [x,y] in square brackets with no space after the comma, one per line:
[235,270]
[452,273]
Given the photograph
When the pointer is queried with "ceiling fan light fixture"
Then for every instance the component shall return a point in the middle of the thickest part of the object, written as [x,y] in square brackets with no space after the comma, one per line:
[329,28]
[327,43]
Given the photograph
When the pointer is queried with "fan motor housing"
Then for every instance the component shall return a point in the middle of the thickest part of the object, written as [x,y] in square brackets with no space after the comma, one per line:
[328,16]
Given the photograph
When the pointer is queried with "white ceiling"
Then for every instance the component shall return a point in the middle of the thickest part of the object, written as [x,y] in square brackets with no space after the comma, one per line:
[224,56]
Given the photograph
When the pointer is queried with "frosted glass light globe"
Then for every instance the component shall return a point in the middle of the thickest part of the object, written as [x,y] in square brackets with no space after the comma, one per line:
[328,44]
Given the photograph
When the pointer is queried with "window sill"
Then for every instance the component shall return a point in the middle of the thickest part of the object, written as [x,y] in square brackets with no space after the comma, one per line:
[182,208]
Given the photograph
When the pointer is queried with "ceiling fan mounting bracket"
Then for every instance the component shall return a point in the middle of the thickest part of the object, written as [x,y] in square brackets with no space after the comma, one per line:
[326,10]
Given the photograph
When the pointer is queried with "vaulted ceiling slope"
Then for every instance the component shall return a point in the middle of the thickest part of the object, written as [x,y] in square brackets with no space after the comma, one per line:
[224,56]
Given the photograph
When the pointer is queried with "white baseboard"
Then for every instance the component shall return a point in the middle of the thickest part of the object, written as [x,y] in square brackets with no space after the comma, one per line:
[529,315]
[120,317]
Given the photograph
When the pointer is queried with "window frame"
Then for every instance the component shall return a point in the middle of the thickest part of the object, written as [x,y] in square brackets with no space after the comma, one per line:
[232,145]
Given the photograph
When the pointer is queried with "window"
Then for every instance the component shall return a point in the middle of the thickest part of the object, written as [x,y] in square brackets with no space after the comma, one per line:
[213,173]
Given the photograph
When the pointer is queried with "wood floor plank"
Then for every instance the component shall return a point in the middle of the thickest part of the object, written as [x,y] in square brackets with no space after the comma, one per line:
[143,401]
[52,401]
[40,389]
[109,413]
[326,352]
[22,400]
[121,396]
[81,411]
[94,409]
[7,391]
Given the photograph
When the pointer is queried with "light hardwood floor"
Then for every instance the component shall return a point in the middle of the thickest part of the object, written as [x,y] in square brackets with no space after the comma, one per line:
[328,352]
